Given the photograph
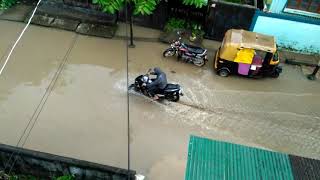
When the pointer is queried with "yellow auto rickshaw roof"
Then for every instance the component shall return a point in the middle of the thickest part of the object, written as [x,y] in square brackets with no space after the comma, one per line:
[247,39]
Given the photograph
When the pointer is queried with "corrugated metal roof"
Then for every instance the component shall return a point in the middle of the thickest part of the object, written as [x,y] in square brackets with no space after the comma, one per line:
[210,160]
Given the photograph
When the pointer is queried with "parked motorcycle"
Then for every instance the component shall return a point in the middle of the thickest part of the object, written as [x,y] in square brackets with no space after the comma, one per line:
[188,53]
[172,92]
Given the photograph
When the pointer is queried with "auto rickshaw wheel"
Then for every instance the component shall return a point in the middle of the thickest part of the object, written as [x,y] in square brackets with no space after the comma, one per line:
[275,74]
[223,72]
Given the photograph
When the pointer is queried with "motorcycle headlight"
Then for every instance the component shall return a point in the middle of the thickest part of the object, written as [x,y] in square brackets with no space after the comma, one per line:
[145,79]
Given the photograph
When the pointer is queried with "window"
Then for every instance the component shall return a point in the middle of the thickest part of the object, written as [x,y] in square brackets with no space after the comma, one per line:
[305,5]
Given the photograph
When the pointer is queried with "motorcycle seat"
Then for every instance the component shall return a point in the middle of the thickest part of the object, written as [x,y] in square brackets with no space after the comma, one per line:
[171,87]
[194,49]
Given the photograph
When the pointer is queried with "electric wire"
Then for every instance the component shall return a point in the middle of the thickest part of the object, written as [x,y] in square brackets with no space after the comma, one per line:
[19,37]
[32,121]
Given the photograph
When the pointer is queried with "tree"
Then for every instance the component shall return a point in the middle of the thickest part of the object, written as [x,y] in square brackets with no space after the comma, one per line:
[197,3]
[134,7]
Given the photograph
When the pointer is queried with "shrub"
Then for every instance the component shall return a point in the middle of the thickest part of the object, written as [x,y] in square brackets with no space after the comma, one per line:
[197,3]
[143,7]
[5,4]
[175,23]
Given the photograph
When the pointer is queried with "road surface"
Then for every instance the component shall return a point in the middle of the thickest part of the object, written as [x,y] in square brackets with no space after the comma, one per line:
[85,114]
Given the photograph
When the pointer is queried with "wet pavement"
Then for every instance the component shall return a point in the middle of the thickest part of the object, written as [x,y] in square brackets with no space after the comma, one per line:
[85,115]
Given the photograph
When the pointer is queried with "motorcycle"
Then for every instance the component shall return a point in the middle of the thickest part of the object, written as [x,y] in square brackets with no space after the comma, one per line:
[172,92]
[188,53]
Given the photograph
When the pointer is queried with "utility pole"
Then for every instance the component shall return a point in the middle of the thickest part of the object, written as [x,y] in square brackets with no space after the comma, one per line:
[130,9]
[313,75]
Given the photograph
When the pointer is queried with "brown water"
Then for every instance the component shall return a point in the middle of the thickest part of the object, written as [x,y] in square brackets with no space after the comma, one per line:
[85,115]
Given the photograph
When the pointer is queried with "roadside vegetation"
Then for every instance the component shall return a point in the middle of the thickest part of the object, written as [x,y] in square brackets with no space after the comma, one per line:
[180,24]
[196,3]
[4,176]
[143,7]
[5,4]
[146,7]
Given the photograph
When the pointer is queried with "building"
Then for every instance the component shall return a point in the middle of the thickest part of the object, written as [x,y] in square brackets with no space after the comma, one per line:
[294,23]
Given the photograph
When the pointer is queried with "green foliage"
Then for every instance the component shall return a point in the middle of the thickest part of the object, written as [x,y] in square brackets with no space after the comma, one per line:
[197,3]
[5,176]
[22,177]
[175,23]
[110,6]
[196,29]
[29,177]
[66,177]
[143,7]
[5,4]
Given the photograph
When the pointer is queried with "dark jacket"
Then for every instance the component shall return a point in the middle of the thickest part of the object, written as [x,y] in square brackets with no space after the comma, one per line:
[160,82]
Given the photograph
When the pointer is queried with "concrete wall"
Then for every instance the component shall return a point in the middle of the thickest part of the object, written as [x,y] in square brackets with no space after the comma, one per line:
[295,33]
[46,166]
[223,16]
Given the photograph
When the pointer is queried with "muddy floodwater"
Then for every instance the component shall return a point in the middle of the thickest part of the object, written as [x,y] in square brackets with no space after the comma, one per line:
[85,114]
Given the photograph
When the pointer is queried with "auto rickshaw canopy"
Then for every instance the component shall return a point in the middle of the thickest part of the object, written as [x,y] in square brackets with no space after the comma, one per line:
[236,40]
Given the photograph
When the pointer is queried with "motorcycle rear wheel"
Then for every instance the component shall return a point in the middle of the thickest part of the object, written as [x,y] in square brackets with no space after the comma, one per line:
[200,63]
[175,98]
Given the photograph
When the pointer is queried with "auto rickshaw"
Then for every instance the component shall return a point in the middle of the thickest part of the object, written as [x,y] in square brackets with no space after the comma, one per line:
[247,53]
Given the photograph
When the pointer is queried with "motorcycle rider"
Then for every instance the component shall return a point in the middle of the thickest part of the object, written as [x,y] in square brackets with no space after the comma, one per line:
[157,84]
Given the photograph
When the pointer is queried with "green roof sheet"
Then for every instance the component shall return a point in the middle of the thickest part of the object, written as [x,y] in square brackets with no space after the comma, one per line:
[209,160]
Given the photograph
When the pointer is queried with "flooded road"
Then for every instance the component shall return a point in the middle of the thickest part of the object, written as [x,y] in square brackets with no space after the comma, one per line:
[85,116]
[278,114]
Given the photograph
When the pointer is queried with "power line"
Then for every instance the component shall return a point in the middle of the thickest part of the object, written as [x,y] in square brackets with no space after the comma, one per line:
[32,121]
[16,42]
[7,59]
[40,106]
